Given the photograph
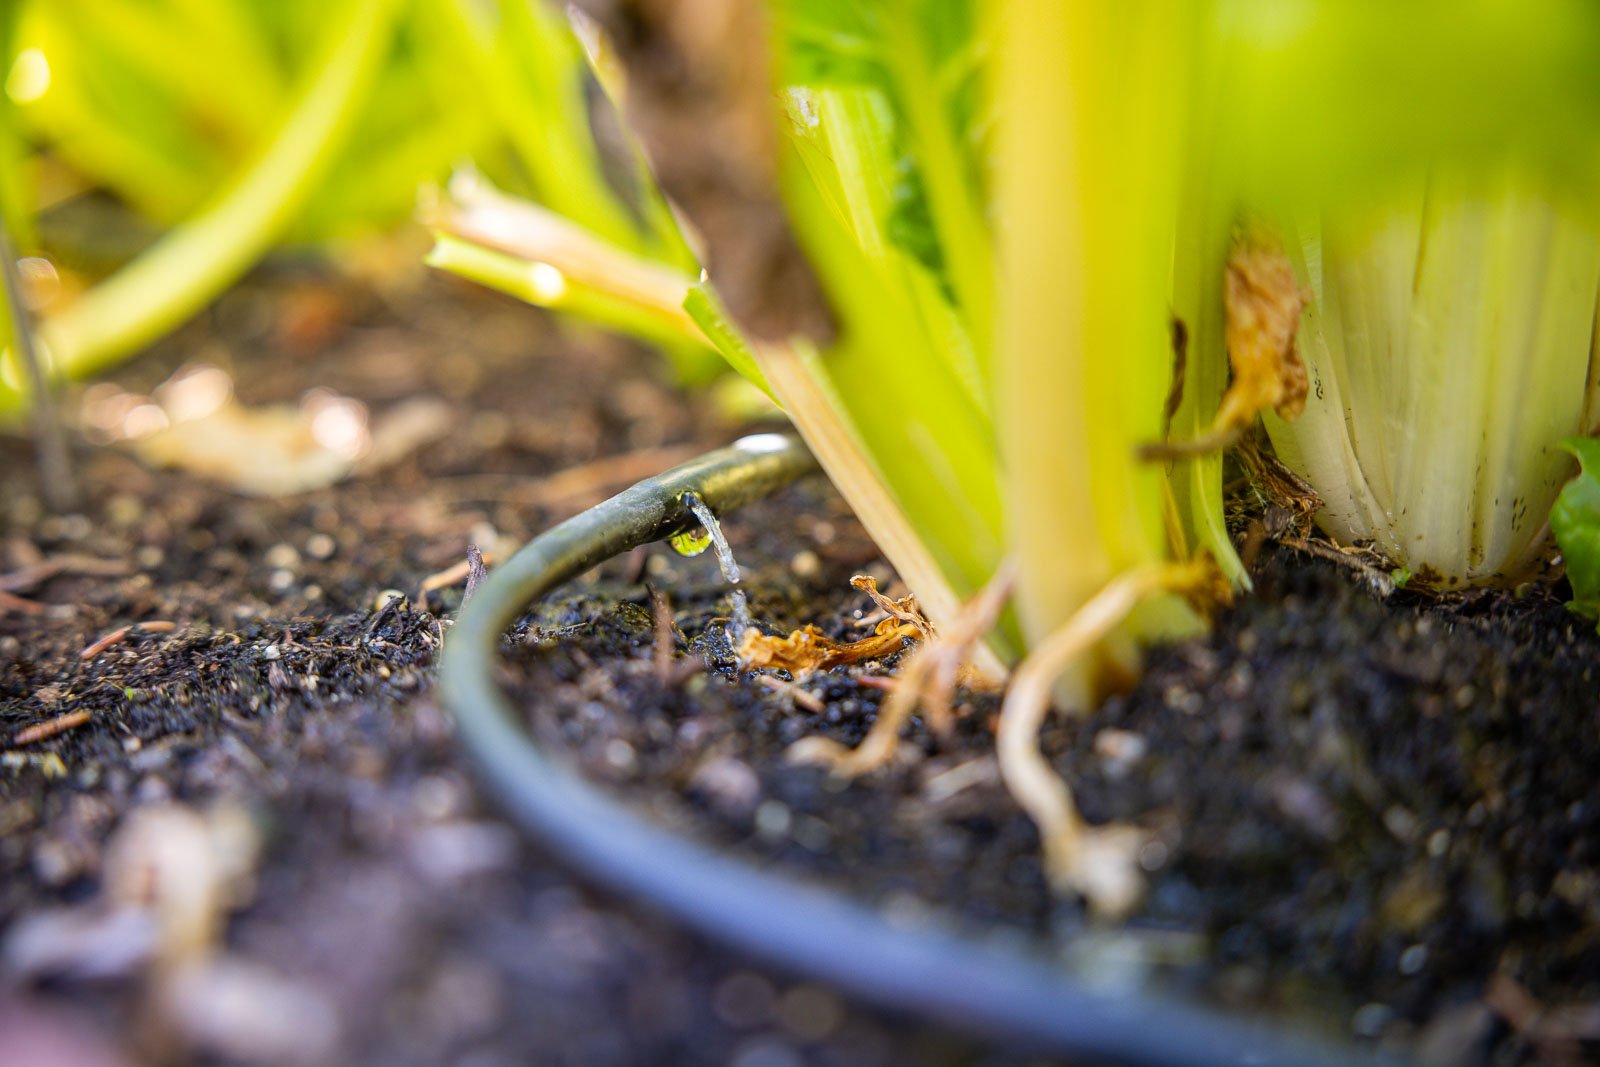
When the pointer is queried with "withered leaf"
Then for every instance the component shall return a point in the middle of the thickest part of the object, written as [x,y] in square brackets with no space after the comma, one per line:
[1263,303]
[808,649]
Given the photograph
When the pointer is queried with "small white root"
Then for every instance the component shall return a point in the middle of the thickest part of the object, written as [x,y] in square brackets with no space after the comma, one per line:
[1099,863]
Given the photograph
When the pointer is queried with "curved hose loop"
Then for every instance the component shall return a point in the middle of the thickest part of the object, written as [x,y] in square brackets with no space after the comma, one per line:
[951,980]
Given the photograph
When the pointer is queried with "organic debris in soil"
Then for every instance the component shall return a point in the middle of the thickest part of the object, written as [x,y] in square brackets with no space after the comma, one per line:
[808,649]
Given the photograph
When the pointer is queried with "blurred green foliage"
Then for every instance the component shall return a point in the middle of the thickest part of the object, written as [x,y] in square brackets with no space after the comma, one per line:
[229,127]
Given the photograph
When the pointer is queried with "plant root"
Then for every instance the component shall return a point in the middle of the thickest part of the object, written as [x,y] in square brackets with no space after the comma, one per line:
[929,678]
[1099,863]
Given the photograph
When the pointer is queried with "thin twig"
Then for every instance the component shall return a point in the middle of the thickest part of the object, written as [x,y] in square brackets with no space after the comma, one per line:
[452,574]
[24,578]
[49,728]
[21,605]
[665,644]
[121,634]
[475,573]
[56,483]
[810,701]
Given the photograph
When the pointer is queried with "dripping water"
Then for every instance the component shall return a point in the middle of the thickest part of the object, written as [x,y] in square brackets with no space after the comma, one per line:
[740,621]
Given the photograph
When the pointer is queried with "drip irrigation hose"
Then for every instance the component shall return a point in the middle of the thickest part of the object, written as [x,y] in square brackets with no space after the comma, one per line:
[951,980]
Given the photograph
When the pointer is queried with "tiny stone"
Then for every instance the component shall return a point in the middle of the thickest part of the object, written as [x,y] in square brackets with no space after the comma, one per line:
[1370,1019]
[772,819]
[728,785]
[1438,842]
[436,797]
[1119,751]
[1413,959]
[805,564]
[320,546]
[149,557]
[1400,822]
[271,652]
[619,754]
[1153,856]
[55,863]
[1180,699]
[812,833]
[282,556]
[124,510]
[280,581]
[153,789]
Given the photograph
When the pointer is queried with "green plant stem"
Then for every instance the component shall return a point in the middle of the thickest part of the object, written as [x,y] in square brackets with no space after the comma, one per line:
[1087,200]
[655,315]
[188,267]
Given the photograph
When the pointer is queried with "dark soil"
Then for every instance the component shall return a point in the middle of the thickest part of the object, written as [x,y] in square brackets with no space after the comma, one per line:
[1374,819]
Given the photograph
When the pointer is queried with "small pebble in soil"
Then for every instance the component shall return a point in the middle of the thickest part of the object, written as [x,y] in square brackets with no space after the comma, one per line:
[728,785]
[772,820]
[282,556]
[1370,1020]
[320,546]
[620,756]
[1119,750]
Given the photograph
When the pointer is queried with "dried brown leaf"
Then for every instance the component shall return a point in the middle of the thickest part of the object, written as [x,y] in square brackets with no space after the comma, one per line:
[1263,304]
[906,608]
[809,649]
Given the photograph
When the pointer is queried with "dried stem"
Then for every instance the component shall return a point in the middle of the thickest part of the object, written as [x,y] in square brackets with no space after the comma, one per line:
[56,482]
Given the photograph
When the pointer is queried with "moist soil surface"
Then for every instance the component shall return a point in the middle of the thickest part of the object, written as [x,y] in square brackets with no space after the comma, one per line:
[244,833]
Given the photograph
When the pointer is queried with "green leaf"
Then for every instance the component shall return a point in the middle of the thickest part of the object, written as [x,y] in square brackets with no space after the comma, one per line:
[1575,520]
[922,60]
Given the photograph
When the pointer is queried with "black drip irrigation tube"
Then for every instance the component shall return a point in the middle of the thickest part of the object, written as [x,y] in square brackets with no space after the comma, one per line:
[953,981]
